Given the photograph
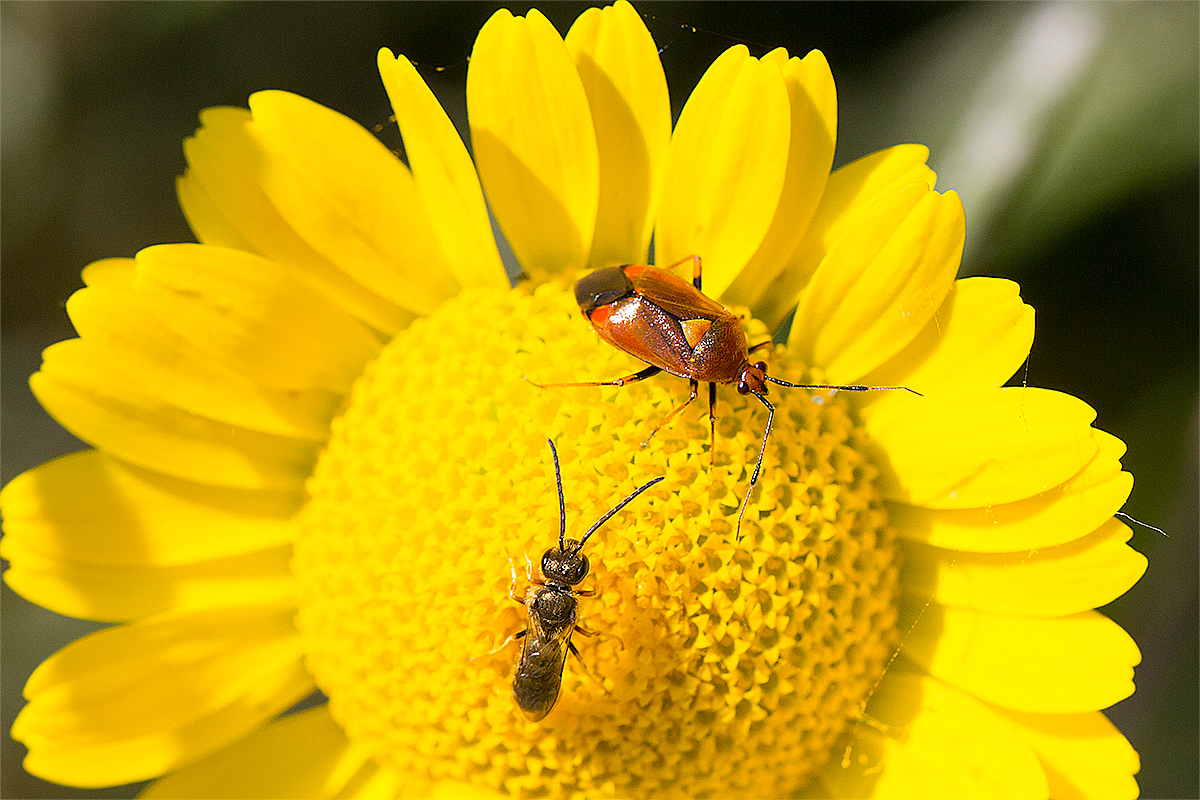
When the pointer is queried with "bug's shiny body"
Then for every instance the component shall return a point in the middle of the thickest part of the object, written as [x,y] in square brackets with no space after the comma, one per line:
[666,322]
[553,606]
[674,327]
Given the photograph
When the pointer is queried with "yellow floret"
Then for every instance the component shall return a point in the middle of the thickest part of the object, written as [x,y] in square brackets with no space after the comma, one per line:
[721,667]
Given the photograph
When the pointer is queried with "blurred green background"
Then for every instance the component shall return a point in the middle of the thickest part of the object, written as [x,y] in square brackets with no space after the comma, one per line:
[1069,129]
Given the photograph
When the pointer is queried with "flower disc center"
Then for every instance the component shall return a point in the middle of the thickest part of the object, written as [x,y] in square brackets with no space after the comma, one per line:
[717,667]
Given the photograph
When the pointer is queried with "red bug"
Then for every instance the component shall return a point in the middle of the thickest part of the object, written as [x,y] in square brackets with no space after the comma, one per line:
[670,324]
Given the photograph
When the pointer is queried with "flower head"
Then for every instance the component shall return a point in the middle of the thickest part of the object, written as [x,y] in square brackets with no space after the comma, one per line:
[317,464]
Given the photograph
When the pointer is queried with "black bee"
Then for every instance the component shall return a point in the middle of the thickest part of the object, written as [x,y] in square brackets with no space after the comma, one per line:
[552,612]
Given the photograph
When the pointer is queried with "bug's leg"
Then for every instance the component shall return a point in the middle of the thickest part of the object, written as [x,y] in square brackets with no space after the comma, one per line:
[758,466]
[768,344]
[693,386]
[648,372]
[696,268]
[712,425]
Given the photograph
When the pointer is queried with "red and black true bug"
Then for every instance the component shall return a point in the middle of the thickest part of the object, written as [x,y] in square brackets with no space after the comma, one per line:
[670,324]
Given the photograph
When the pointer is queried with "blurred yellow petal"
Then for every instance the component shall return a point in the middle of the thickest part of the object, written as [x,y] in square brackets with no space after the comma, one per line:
[123,330]
[120,593]
[1085,756]
[1062,514]
[1062,665]
[1049,582]
[813,100]
[973,450]
[533,139]
[979,337]
[90,399]
[925,720]
[205,218]
[305,754]
[356,204]
[849,192]
[881,283]
[89,508]
[444,176]
[627,92]
[728,161]
[226,162]
[101,713]
[254,316]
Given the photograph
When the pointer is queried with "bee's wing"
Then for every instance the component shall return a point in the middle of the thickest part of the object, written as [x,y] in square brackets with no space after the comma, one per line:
[539,671]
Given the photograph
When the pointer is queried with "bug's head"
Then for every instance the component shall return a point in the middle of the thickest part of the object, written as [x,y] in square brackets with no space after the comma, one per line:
[600,288]
[753,378]
[565,565]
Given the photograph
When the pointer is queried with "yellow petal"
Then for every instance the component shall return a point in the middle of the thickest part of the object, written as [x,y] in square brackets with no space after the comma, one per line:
[118,594]
[224,192]
[813,99]
[1063,665]
[881,283]
[89,508]
[1050,582]
[729,157]
[627,92]
[444,176]
[351,199]
[982,448]
[254,316]
[89,398]
[113,273]
[305,754]
[125,332]
[979,337]
[1063,514]
[131,702]
[940,743]
[1085,756]
[533,139]
[849,192]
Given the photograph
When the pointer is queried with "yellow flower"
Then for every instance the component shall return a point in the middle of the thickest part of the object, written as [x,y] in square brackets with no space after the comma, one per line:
[317,465]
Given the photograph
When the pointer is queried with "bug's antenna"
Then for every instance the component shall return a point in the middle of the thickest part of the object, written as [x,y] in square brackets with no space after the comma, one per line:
[618,507]
[562,504]
[758,465]
[850,388]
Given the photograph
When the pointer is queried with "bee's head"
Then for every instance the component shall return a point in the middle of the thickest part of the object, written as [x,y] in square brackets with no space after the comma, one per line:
[566,565]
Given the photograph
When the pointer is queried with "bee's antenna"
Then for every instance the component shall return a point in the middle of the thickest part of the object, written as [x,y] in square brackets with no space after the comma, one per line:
[562,504]
[618,507]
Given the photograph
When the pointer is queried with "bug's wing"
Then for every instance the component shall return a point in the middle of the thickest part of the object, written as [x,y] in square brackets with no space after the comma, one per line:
[674,295]
[647,332]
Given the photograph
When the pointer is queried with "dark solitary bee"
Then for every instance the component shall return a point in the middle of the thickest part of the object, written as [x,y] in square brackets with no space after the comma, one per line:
[547,637]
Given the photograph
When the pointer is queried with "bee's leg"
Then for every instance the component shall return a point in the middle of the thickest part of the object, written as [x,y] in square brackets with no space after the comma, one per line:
[530,580]
[518,635]
[579,658]
[585,632]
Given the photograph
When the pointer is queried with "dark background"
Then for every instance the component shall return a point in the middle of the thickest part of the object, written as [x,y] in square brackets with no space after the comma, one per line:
[1098,223]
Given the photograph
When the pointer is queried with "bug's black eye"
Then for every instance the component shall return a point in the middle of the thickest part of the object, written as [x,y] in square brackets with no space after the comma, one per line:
[601,288]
